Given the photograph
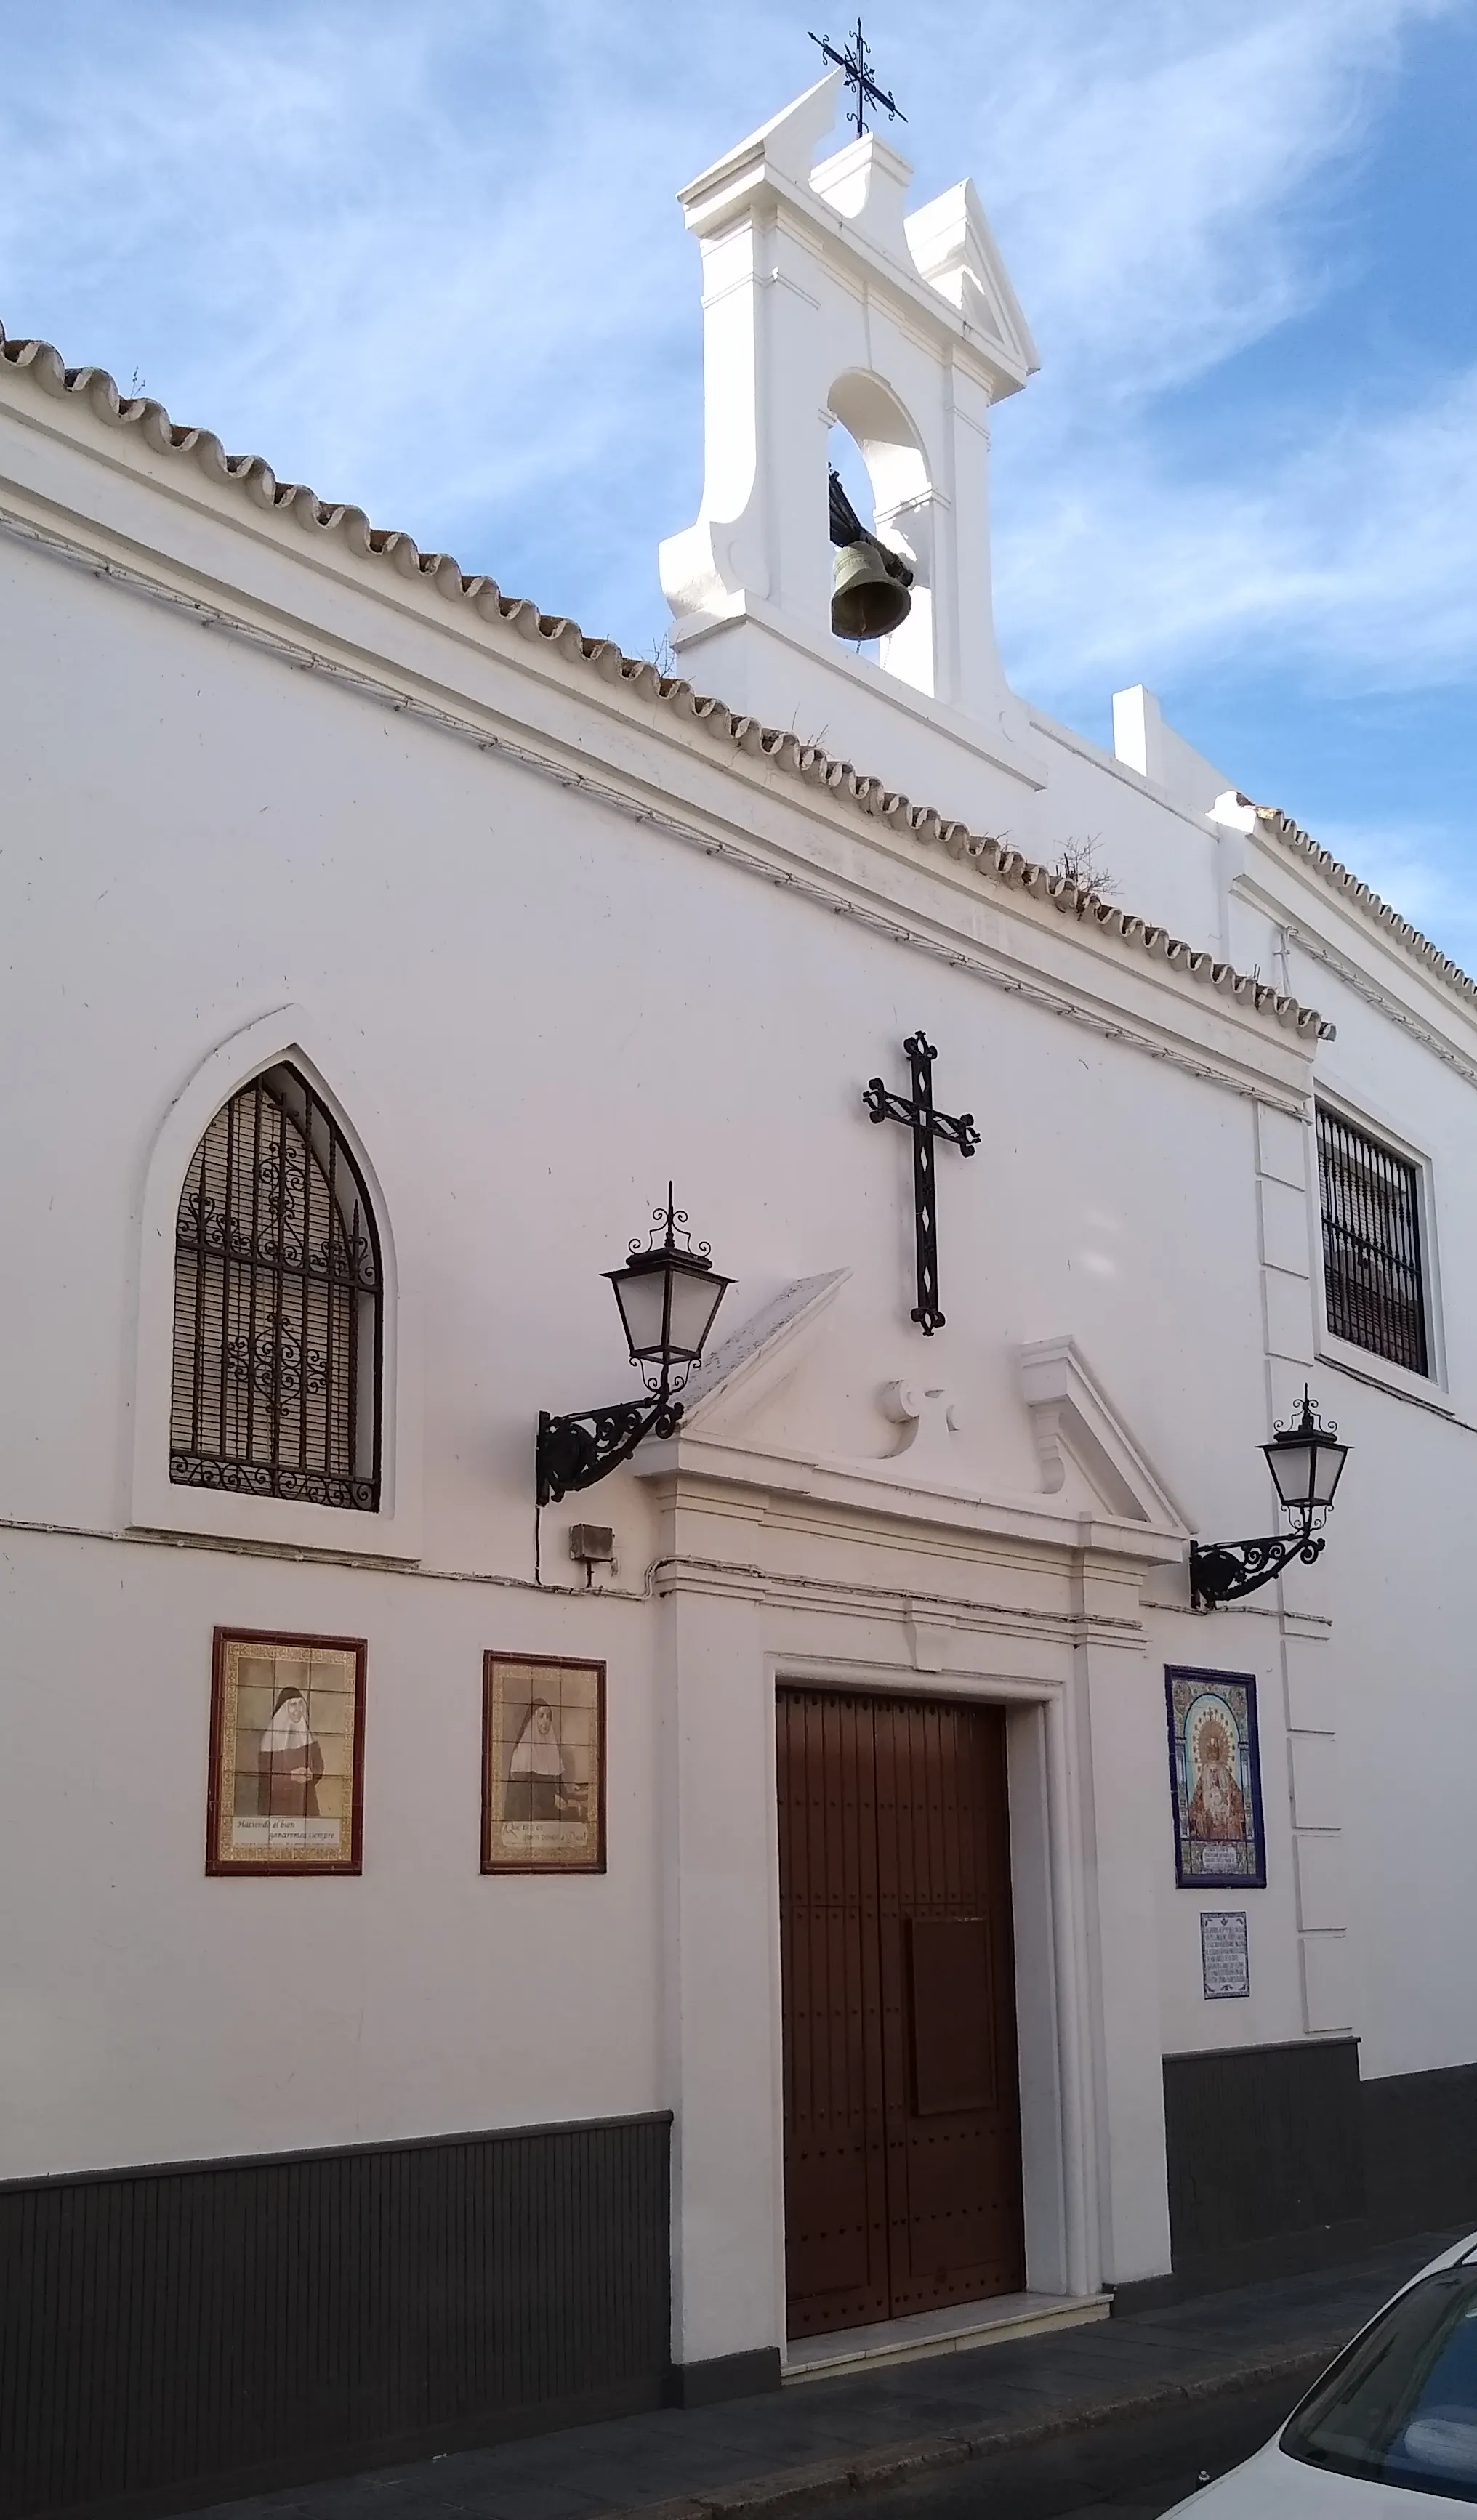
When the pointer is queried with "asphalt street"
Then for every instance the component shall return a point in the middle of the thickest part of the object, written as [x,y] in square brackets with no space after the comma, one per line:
[1134,2470]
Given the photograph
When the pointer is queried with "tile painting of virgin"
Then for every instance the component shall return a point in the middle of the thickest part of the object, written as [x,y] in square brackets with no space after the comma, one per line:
[1217,1806]
[1215,1775]
[544,1765]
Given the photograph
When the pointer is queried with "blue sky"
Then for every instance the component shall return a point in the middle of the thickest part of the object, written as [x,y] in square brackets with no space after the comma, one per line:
[424,255]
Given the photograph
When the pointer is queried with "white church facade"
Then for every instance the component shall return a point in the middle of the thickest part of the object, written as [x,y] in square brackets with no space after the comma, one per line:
[483,1952]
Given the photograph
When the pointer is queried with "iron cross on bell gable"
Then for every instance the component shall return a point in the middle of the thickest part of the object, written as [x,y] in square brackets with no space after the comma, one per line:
[854,61]
[916,1112]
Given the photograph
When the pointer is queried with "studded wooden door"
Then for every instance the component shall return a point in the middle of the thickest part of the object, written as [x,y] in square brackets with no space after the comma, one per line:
[903,2153]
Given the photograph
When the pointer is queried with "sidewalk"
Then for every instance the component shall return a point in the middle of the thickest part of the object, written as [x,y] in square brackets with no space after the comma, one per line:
[817,2443]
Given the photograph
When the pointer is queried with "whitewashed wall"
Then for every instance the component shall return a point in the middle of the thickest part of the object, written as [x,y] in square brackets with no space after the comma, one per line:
[534,1007]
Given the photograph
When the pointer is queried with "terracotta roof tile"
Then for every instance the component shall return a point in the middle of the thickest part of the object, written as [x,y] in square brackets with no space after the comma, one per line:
[254,480]
[1364,897]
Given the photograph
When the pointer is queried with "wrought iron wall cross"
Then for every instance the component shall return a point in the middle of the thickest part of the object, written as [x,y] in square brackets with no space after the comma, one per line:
[916,1112]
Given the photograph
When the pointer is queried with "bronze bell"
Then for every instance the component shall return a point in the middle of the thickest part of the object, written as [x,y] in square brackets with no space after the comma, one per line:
[869,585]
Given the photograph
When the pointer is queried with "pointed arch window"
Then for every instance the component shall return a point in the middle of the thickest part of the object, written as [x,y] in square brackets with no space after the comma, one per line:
[278,1306]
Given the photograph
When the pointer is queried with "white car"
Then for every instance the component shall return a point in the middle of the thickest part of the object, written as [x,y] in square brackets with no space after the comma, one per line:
[1391,2427]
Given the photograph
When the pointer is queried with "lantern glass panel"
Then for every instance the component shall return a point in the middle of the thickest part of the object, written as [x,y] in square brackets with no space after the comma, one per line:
[695,1298]
[660,1323]
[641,1294]
[1291,1466]
[1327,1467]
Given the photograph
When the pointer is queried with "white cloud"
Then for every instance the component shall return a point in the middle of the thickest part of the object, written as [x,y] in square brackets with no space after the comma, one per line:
[1354,558]
[1417,866]
[318,239]
[1155,169]
[426,259]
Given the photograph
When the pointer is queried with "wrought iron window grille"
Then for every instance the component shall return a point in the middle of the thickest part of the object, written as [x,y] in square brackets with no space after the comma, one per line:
[278,1307]
[1374,1292]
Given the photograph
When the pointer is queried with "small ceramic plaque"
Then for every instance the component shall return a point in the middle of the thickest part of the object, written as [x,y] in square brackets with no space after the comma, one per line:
[1225,1964]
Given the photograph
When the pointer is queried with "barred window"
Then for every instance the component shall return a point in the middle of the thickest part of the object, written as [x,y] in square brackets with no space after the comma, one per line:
[277,1306]
[1373,1288]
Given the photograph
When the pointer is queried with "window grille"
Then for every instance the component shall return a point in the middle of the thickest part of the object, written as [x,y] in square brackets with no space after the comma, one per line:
[1372,1275]
[278,1295]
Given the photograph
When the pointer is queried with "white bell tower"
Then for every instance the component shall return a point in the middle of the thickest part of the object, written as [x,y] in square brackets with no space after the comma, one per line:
[824,300]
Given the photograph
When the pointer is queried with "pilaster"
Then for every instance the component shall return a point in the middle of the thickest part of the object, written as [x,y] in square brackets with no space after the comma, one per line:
[1287,1222]
[1116,1753]
[720,1943]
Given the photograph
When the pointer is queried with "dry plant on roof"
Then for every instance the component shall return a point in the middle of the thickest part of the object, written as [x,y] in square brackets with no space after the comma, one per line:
[1080,865]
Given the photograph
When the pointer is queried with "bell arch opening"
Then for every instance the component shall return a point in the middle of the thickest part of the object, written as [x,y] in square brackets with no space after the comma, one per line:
[846,459]
[877,452]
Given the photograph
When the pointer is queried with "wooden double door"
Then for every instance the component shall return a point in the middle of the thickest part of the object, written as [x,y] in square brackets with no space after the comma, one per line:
[903,2145]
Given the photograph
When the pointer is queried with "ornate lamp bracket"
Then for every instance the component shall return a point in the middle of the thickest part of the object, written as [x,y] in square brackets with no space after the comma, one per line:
[1226,1570]
[668,1297]
[576,1451]
[1307,1462]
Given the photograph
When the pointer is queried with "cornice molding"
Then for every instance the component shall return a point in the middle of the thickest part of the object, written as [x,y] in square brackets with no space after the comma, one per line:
[1108,995]
[760,1353]
[932,1617]
[1073,1418]
[1362,897]
[1283,840]
[859,1496]
[1355,977]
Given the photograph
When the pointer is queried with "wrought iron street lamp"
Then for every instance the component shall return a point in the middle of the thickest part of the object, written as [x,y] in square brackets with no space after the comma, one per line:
[1307,1461]
[669,1296]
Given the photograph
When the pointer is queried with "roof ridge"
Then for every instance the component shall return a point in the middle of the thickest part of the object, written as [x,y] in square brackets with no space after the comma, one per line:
[1342,879]
[251,475]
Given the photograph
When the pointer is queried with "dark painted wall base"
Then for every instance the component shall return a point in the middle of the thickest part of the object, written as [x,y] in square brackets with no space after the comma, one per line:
[1261,2141]
[1420,2147]
[172,2336]
[1281,2160]
[1287,2253]
[727,2375]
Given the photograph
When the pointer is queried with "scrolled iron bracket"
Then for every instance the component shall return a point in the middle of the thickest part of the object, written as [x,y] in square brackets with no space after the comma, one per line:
[1226,1570]
[576,1451]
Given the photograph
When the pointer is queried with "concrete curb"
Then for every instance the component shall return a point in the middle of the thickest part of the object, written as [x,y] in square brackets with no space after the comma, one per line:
[804,2489]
